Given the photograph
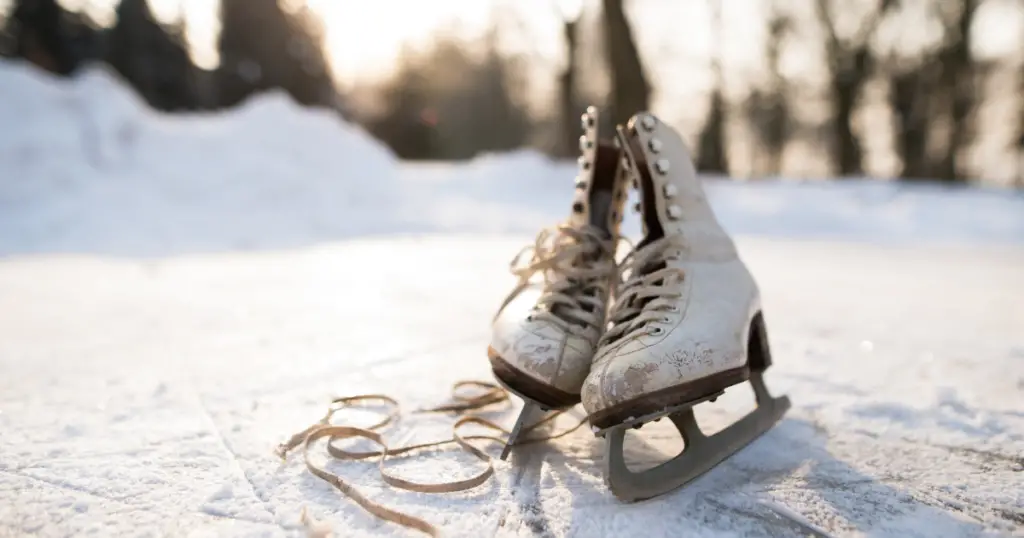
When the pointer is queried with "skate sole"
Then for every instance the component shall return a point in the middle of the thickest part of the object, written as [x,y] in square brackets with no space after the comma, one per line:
[528,388]
[660,403]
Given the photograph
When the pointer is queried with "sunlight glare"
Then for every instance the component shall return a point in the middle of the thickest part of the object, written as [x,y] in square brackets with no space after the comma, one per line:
[570,9]
[366,43]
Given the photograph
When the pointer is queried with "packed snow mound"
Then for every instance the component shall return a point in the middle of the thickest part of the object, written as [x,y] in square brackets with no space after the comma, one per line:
[86,166]
[484,192]
[87,162]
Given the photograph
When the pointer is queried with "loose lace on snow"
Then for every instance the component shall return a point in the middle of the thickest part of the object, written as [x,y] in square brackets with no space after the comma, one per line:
[491,394]
[576,263]
[644,294]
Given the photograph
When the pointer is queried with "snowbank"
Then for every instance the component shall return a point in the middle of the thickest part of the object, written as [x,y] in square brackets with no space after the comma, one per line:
[85,166]
[489,191]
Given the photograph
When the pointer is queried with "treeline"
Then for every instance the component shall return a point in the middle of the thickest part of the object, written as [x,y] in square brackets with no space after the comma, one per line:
[932,93]
[263,44]
[457,99]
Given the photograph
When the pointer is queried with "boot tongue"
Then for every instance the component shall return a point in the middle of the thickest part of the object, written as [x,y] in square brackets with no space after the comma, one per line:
[600,211]
[595,201]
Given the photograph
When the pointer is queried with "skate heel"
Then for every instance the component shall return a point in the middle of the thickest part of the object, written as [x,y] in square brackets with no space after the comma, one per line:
[701,452]
[759,353]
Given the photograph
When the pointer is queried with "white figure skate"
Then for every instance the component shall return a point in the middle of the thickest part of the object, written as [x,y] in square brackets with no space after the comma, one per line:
[546,332]
[686,324]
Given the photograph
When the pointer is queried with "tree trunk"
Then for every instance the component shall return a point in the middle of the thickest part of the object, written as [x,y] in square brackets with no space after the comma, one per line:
[567,104]
[630,90]
[1020,130]
[712,155]
[845,90]
[958,76]
[849,65]
[909,104]
[776,119]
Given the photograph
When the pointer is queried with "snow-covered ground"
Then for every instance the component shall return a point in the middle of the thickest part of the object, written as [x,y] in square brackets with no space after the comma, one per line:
[179,295]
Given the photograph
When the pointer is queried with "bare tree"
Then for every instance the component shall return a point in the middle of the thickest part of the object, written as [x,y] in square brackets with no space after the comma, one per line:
[1019,149]
[152,57]
[712,152]
[910,107]
[933,96]
[958,79]
[267,44]
[569,109]
[849,63]
[453,100]
[44,33]
[767,109]
[630,90]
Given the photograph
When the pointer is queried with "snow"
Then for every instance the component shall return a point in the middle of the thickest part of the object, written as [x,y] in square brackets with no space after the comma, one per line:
[178,295]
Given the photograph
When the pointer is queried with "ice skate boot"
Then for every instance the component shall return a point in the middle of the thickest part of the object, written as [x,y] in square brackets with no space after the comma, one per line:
[686,324]
[545,333]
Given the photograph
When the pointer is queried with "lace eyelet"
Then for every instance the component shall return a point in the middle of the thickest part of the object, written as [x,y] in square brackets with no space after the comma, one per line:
[655,331]
[673,309]
[666,320]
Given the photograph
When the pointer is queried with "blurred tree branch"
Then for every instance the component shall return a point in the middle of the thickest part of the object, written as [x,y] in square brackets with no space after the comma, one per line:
[768,109]
[713,146]
[448,103]
[849,63]
[933,97]
[51,37]
[568,98]
[630,90]
[154,59]
[959,81]
[1020,126]
[263,46]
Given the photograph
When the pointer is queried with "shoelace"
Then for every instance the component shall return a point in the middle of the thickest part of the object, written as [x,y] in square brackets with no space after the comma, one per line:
[643,296]
[573,262]
[491,394]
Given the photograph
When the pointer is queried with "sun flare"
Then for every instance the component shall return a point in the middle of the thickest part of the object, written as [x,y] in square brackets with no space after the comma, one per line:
[361,43]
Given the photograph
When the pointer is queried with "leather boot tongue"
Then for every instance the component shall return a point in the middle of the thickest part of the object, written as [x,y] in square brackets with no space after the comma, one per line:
[600,210]
[595,191]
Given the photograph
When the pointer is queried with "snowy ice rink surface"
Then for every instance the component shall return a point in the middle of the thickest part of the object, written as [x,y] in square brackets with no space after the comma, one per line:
[173,310]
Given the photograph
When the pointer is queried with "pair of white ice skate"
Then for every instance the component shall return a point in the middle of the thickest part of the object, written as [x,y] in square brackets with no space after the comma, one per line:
[686,322]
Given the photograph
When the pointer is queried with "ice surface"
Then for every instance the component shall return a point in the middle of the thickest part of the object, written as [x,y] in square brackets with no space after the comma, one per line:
[177,306]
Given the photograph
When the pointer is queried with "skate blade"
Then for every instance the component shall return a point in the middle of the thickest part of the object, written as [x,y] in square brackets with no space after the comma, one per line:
[700,454]
[531,414]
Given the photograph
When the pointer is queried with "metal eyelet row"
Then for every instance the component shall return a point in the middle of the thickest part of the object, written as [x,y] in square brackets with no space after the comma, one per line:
[588,121]
[586,144]
[661,166]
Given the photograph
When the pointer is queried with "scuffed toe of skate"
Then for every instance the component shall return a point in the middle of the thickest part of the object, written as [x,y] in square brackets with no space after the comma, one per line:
[532,347]
[524,384]
[540,360]
[614,383]
[623,387]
